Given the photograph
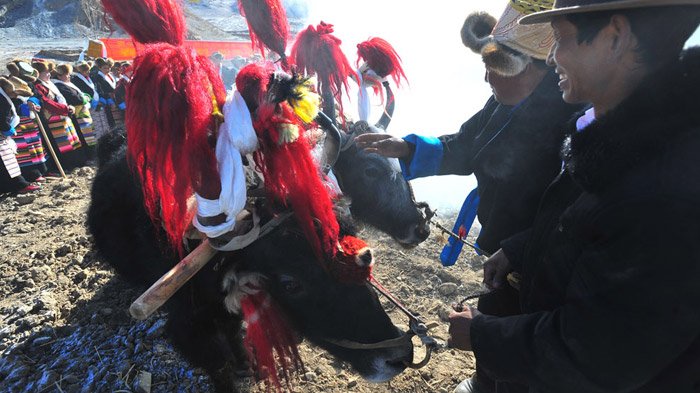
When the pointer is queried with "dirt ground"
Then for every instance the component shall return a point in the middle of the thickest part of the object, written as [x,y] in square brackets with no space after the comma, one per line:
[64,325]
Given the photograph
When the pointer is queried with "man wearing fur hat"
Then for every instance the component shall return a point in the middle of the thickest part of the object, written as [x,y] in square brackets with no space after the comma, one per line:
[608,304]
[512,145]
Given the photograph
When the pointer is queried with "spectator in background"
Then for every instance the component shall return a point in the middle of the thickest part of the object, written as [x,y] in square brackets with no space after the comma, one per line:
[31,147]
[81,102]
[106,85]
[31,154]
[55,116]
[122,82]
[228,76]
[81,78]
[11,179]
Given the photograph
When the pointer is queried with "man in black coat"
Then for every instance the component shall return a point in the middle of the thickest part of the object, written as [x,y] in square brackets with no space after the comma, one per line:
[511,146]
[610,269]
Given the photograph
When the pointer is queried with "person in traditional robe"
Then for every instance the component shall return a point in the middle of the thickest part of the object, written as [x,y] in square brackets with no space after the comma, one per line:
[106,85]
[31,151]
[81,78]
[11,179]
[55,116]
[81,102]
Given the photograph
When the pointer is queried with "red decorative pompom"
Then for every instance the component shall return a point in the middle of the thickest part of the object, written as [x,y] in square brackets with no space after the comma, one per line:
[381,58]
[268,25]
[317,51]
[149,21]
[353,262]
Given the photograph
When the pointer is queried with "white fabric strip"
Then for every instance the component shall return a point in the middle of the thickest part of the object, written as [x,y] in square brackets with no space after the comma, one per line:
[363,104]
[236,137]
[8,149]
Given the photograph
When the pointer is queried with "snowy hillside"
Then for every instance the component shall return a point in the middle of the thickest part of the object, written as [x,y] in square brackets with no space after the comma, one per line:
[215,19]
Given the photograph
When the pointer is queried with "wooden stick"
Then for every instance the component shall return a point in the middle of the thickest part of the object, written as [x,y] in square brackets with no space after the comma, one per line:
[48,144]
[166,286]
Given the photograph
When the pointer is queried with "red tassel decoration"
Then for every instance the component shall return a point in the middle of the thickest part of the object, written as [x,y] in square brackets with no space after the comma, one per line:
[269,340]
[252,81]
[317,51]
[381,58]
[291,176]
[149,21]
[268,25]
[171,98]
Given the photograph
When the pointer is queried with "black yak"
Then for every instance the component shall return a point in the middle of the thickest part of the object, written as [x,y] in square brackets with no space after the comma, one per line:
[202,321]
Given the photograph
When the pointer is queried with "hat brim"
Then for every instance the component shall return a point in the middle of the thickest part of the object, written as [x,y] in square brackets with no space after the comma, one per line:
[547,16]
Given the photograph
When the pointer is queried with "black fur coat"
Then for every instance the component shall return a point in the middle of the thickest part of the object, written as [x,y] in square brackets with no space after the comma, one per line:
[610,284]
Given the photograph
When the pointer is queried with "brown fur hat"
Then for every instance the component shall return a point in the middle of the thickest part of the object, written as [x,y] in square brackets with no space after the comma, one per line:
[21,87]
[13,69]
[476,35]
[6,86]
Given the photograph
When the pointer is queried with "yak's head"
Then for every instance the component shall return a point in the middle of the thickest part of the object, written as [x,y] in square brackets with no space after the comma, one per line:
[380,195]
[315,304]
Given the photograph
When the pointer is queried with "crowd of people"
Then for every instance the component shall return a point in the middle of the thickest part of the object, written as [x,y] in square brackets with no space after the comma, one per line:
[75,104]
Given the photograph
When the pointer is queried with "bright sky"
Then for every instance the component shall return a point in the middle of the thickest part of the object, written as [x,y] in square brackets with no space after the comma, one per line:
[446,79]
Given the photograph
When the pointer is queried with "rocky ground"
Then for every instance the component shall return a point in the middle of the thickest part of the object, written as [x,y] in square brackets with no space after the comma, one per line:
[64,325]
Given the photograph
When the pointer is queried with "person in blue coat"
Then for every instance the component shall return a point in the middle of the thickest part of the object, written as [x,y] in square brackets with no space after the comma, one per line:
[512,145]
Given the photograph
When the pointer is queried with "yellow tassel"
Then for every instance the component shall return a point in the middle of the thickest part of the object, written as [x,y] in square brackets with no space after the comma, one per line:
[215,112]
[288,133]
[309,102]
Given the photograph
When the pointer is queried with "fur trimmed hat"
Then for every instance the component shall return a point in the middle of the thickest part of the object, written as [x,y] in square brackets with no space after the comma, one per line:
[505,46]
[21,87]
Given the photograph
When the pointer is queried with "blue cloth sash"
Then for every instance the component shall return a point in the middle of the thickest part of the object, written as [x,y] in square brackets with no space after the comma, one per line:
[465,219]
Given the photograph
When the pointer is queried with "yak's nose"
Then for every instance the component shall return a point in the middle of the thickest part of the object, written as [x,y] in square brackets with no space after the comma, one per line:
[422,231]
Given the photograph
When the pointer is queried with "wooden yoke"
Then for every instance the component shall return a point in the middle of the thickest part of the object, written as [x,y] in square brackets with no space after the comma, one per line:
[174,279]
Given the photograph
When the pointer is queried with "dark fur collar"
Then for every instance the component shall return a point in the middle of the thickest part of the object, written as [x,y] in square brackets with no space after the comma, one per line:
[664,108]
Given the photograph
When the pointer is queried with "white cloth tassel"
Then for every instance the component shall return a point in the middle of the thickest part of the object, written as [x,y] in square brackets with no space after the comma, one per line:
[236,136]
[363,102]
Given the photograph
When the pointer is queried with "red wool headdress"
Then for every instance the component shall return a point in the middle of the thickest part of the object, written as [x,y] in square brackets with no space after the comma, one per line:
[317,51]
[268,25]
[284,153]
[175,98]
[381,58]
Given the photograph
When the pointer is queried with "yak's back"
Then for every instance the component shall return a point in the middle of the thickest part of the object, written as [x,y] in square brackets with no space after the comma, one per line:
[123,233]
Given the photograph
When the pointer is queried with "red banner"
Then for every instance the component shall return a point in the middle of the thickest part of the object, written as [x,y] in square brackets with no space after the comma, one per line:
[124,49]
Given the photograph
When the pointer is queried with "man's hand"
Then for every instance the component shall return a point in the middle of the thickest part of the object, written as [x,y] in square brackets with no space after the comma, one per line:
[383,144]
[34,107]
[496,270]
[460,326]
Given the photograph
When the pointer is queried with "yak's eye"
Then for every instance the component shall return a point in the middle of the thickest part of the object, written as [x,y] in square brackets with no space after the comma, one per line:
[289,284]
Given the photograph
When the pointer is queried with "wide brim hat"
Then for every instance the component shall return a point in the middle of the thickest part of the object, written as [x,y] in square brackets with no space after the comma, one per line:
[567,7]
[505,46]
